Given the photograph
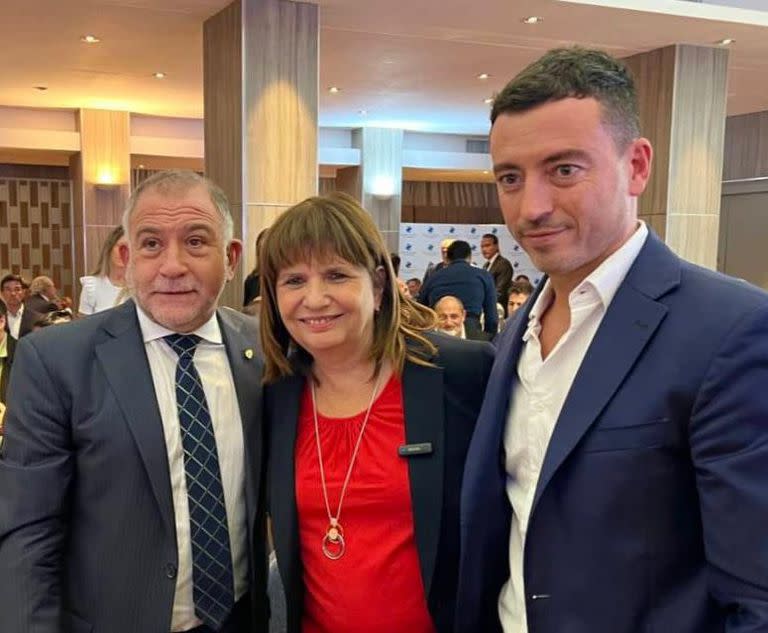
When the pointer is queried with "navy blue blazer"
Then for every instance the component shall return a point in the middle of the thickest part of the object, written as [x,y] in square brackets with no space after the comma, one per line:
[651,509]
[441,405]
[87,528]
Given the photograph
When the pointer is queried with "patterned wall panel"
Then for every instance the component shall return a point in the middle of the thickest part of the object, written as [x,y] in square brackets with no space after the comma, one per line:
[36,230]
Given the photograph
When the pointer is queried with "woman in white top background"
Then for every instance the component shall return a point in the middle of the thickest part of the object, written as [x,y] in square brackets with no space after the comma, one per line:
[102,288]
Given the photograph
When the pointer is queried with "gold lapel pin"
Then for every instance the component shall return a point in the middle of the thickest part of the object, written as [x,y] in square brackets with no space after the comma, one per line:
[248,353]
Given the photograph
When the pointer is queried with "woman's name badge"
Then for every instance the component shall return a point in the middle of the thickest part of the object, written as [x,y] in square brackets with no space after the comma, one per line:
[407,450]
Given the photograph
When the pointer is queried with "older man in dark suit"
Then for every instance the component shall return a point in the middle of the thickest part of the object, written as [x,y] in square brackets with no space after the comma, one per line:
[131,471]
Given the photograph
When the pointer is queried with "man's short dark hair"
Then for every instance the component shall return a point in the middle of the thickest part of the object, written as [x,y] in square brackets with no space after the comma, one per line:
[459,249]
[521,287]
[492,237]
[8,279]
[579,73]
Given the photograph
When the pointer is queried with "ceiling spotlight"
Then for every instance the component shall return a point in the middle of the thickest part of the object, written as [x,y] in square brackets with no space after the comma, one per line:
[483,76]
[90,39]
[488,101]
[725,42]
[41,88]
[532,19]
[485,171]
[334,90]
[141,166]
[362,112]
[158,75]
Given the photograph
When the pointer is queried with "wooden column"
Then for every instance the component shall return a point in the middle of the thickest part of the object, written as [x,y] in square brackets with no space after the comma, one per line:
[101,175]
[682,92]
[261,94]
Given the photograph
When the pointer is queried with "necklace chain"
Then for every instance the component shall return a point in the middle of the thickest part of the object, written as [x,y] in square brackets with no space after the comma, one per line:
[335,533]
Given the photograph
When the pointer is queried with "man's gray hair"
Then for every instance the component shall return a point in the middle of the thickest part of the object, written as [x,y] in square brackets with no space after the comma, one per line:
[181,180]
[40,284]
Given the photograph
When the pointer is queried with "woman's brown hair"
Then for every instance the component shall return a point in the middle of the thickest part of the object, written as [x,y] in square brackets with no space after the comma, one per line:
[324,227]
[104,265]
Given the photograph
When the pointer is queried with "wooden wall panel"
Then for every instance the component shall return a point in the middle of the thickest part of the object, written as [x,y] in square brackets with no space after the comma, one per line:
[682,98]
[698,129]
[223,96]
[261,102]
[746,146]
[35,230]
[654,74]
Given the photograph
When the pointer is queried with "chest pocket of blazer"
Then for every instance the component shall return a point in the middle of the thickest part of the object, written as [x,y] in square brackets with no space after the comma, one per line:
[653,434]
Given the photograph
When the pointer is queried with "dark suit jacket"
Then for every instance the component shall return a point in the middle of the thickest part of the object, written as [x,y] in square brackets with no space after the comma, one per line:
[34,311]
[502,272]
[441,405]
[87,529]
[7,364]
[651,508]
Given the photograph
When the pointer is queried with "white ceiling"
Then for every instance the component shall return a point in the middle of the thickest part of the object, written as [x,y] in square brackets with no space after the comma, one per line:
[409,63]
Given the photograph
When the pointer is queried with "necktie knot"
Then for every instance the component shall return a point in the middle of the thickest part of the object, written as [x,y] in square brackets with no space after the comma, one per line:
[183,343]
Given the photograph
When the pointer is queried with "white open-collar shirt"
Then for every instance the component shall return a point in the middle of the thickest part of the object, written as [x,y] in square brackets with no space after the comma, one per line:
[538,395]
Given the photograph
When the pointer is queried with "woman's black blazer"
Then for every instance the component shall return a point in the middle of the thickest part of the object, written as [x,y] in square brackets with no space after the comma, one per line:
[441,406]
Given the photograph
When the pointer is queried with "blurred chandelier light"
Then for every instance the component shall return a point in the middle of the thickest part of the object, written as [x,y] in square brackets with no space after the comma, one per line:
[90,39]
[532,19]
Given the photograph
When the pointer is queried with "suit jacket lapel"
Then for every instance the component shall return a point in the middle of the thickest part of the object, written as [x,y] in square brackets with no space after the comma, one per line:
[424,422]
[246,366]
[627,327]
[125,365]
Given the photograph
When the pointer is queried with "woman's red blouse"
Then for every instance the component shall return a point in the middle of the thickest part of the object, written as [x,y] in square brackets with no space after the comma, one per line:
[376,585]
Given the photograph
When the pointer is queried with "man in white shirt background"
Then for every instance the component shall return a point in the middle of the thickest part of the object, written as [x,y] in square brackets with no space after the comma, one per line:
[130,474]
[615,481]
[12,291]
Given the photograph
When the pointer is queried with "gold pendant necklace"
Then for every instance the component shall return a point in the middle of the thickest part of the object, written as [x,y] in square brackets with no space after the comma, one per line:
[334,544]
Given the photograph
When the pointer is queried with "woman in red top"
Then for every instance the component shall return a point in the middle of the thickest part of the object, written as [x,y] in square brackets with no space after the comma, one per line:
[370,415]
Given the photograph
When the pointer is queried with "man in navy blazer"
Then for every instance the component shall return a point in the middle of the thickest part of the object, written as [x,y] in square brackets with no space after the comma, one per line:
[616,480]
[130,492]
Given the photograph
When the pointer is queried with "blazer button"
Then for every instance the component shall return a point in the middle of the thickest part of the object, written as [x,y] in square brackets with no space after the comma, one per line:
[170,571]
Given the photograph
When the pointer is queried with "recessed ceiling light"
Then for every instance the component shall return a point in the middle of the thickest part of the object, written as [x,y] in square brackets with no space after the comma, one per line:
[485,171]
[41,88]
[334,90]
[141,166]
[158,75]
[90,39]
[488,101]
[725,42]
[483,76]
[532,19]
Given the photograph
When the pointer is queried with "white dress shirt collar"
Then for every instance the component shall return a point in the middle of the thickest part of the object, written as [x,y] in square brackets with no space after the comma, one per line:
[600,285]
[150,330]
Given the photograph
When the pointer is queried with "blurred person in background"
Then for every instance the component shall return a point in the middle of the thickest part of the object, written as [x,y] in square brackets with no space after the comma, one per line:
[13,294]
[471,285]
[252,283]
[414,287]
[450,320]
[519,293]
[102,288]
[498,265]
